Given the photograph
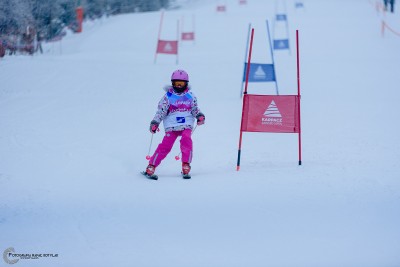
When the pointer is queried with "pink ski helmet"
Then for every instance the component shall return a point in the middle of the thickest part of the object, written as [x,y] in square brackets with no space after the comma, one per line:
[180,75]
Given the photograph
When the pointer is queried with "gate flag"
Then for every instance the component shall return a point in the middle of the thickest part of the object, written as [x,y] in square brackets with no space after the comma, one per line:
[221,8]
[167,47]
[281,17]
[187,36]
[281,44]
[260,72]
[299,5]
[271,113]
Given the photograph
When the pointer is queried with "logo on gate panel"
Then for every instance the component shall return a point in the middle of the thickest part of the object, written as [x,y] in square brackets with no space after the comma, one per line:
[281,44]
[180,119]
[168,47]
[272,116]
[259,74]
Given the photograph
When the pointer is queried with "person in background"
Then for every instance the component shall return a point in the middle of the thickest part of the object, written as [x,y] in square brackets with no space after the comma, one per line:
[39,40]
[2,49]
[391,3]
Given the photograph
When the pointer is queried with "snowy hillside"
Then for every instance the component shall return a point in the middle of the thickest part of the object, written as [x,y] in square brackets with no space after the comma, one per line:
[74,137]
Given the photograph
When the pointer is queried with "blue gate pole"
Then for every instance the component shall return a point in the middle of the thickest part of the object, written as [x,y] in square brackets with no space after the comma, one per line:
[287,34]
[272,57]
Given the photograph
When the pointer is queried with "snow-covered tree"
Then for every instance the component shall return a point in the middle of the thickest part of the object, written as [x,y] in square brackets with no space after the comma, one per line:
[49,16]
[15,16]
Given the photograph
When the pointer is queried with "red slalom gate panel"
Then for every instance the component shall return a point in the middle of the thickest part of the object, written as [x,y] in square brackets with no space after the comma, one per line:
[167,47]
[271,113]
[221,8]
[187,36]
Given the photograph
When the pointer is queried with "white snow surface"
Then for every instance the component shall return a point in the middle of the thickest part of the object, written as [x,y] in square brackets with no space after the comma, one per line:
[74,136]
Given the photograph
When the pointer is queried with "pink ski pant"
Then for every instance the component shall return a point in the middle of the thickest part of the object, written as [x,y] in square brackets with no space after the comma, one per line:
[167,143]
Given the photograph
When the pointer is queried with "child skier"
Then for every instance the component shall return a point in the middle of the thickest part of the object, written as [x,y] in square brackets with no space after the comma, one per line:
[178,110]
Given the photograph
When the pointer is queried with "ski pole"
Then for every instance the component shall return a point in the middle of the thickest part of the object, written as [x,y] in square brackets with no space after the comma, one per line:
[177,157]
[151,142]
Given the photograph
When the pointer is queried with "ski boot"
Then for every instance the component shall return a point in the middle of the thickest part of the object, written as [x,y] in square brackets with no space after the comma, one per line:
[185,170]
[149,172]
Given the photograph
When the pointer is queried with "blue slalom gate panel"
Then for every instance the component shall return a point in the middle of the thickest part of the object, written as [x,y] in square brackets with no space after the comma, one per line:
[281,17]
[299,5]
[260,72]
[281,44]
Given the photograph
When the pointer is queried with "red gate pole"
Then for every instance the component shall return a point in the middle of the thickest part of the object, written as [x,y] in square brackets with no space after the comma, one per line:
[244,98]
[177,40]
[193,24]
[183,23]
[298,91]
[159,35]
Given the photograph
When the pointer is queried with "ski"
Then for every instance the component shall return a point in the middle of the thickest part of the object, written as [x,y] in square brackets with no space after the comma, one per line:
[153,177]
[186,176]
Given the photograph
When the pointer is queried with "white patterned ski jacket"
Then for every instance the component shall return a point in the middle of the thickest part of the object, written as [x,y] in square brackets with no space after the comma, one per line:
[177,111]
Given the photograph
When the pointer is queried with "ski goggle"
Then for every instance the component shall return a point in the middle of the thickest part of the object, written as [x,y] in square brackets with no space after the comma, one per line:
[178,83]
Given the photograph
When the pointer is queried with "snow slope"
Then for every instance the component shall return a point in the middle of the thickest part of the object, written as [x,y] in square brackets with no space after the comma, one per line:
[74,136]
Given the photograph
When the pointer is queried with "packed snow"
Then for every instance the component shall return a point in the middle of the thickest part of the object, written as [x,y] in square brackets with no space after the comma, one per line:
[74,136]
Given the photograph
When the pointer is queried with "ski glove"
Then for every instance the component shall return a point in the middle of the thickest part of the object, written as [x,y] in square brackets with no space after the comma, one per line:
[153,126]
[200,118]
